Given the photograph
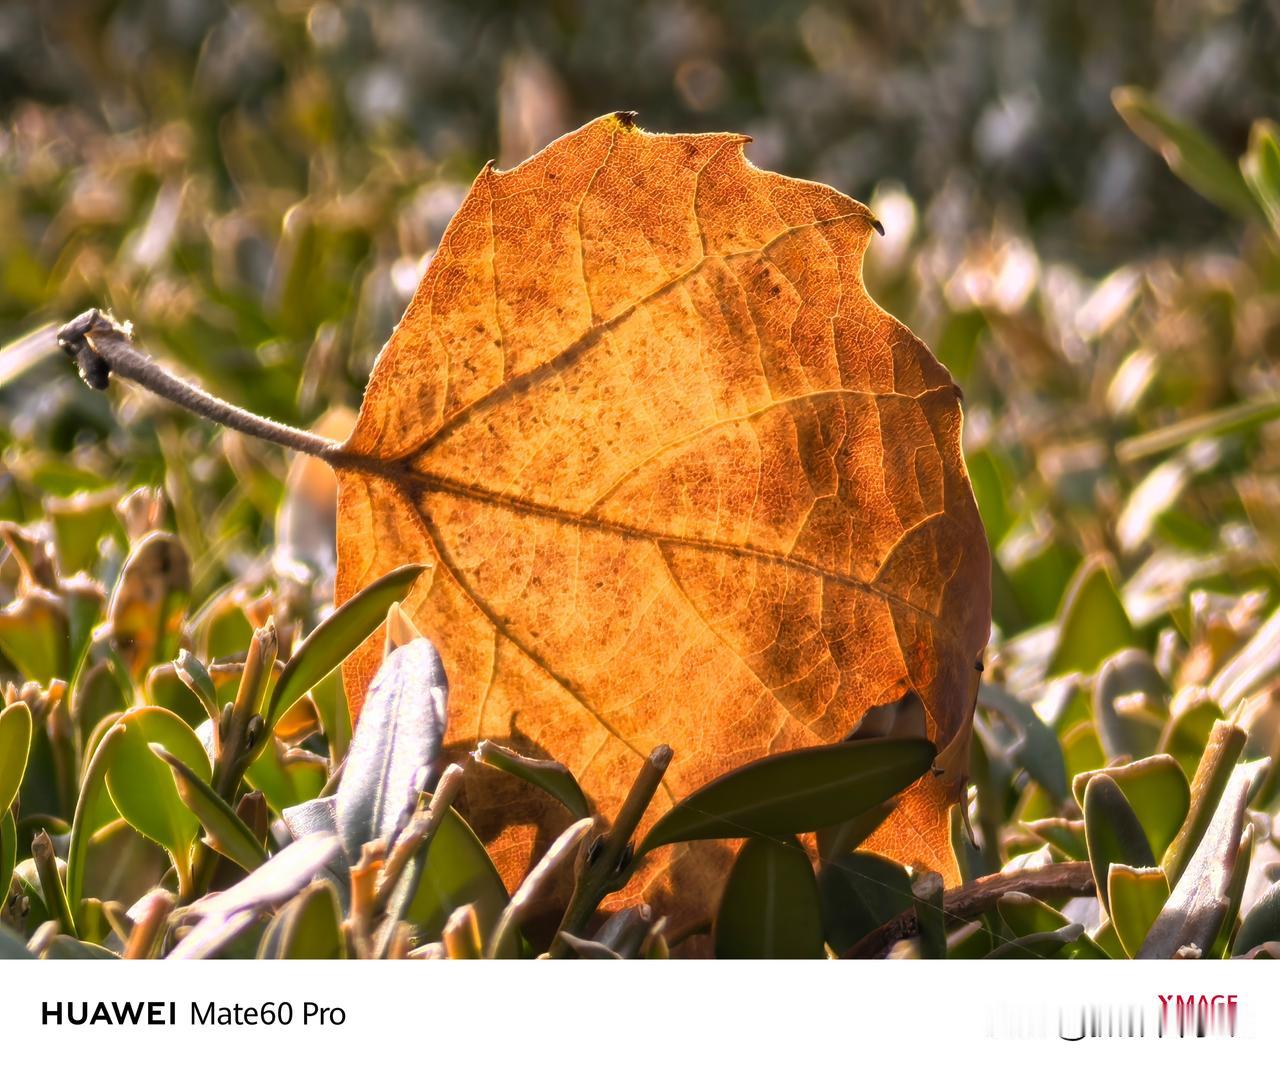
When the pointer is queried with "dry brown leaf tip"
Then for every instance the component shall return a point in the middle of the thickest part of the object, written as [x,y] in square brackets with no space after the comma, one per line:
[682,481]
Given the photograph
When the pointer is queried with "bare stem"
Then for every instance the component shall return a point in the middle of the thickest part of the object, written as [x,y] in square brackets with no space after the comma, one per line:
[609,856]
[102,347]
[966,902]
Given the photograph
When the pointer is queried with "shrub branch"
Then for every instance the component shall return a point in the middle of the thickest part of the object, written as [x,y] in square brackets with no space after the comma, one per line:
[1074,879]
[102,347]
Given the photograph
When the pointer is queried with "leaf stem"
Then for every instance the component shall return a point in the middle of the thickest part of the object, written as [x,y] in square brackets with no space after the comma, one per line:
[607,858]
[101,346]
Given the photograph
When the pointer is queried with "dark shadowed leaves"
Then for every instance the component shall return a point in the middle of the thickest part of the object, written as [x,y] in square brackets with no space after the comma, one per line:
[770,908]
[795,792]
[550,776]
[1113,831]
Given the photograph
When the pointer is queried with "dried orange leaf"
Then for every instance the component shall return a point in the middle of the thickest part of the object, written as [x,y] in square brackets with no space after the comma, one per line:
[680,481]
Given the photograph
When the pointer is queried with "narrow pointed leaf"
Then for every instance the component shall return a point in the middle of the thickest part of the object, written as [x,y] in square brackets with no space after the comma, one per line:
[192,673]
[1024,915]
[1186,150]
[457,871]
[795,792]
[94,809]
[224,830]
[281,878]
[1261,169]
[550,776]
[338,636]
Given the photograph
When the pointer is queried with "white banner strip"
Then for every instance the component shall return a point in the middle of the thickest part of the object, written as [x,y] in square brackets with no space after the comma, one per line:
[305,1014]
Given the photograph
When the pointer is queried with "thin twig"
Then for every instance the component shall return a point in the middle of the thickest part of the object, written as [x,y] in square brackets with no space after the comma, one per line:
[968,901]
[609,856]
[102,347]
[417,834]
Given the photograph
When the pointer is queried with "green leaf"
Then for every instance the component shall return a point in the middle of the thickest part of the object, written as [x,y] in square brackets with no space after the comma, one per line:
[15,745]
[338,636]
[94,808]
[142,787]
[859,892]
[1260,166]
[309,927]
[63,947]
[1137,895]
[770,908]
[1028,917]
[1025,914]
[286,776]
[1042,945]
[1187,151]
[224,831]
[397,738]
[79,523]
[1092,623]
[1186,734]
[1112,831]
[457,871]
[1066,835]
[12,946]
[1125,734]
[8,853]
[1156,789]
[1262,924]
[550,776]
[1036,749]
[193,675]
[841,839]
[1108,941]
[795,792]
[33,636]
[1238,418]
